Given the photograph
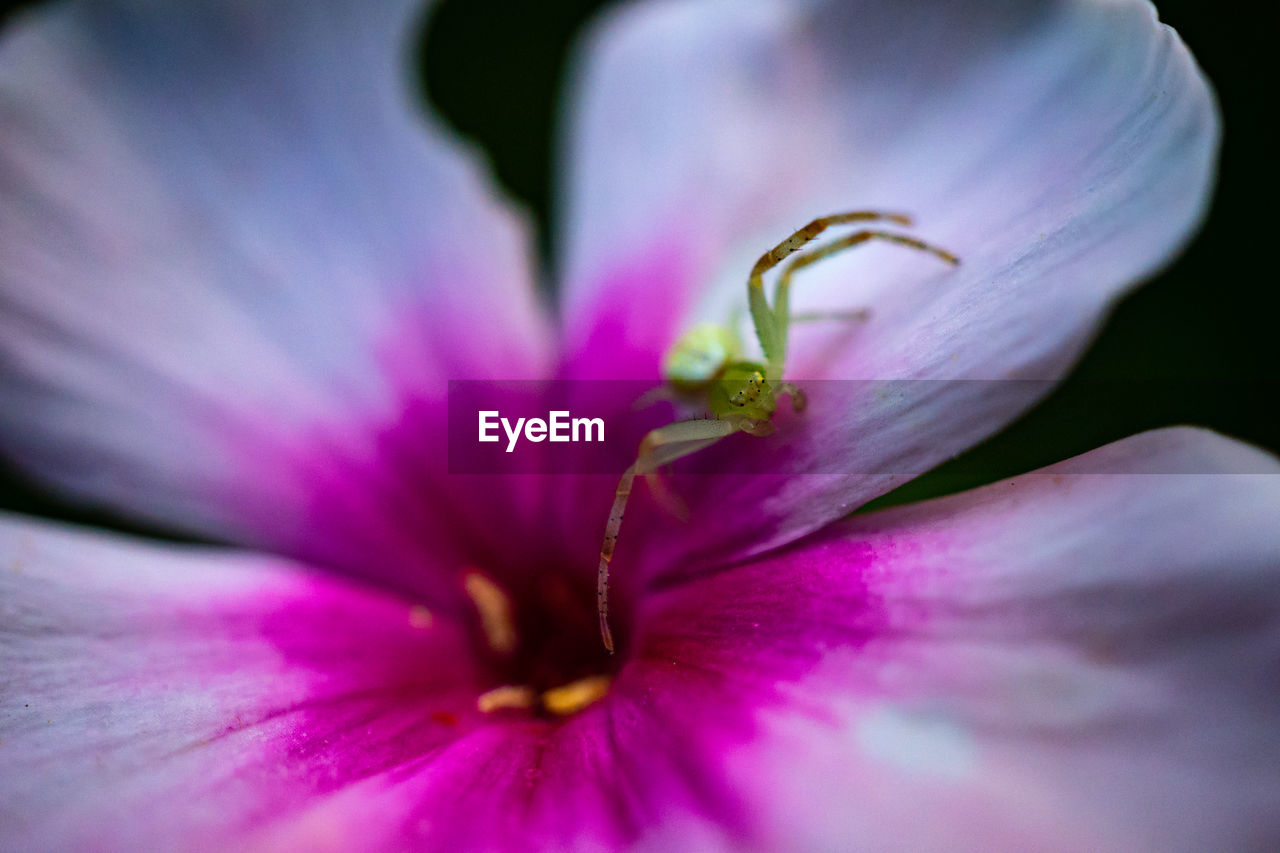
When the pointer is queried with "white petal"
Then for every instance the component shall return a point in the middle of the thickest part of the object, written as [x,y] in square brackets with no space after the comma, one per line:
[185,698]
[227,239]
[1082,658]
[1064,151]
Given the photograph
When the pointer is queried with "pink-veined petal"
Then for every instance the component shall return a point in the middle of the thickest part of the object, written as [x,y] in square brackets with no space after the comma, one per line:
[1063,150]
[176,697]
[1108,687]
[237,269]
[1077,659]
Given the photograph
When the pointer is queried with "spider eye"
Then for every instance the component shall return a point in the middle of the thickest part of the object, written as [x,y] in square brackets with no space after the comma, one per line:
[750,392]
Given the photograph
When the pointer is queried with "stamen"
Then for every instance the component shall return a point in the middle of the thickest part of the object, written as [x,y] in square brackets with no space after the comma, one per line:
[507,697]
[497,615]
[576,695]
[420,617]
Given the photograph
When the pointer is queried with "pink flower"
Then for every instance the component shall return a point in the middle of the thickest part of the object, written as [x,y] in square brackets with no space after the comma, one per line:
[237,270]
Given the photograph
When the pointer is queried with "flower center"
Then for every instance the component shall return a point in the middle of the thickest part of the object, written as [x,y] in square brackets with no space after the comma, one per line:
[539,643]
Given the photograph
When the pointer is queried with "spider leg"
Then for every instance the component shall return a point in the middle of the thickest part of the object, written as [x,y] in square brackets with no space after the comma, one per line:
[654,396]
[761,316]
[798,399]
[660,447]
[666,497]
[781,300]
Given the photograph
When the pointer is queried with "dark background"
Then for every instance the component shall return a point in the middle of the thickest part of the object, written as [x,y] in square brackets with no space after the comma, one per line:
[1197,345]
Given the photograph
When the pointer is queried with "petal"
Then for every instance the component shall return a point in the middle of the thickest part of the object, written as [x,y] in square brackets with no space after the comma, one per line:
[182,698]
[146,656]
[165,697]
[1081,658]
[235,266]
[1063,150]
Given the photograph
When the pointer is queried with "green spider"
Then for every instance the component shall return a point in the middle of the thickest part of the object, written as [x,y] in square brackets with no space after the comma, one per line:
[706,365]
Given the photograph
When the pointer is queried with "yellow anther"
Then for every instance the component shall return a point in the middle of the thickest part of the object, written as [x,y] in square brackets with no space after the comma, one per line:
[576,695]
[506,697]
[420,617]
[497,615]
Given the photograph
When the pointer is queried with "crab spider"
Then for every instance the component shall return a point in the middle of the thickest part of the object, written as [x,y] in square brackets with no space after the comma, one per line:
[707,364]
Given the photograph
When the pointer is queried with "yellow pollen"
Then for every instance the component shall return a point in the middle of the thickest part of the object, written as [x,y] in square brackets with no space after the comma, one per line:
[497,618]
[508,696]
[576,695]
[420,617]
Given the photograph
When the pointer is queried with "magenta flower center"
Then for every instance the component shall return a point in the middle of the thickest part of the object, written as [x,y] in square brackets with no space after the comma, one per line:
[539,644]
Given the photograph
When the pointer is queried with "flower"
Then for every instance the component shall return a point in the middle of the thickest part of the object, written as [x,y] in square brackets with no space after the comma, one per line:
[238,271]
